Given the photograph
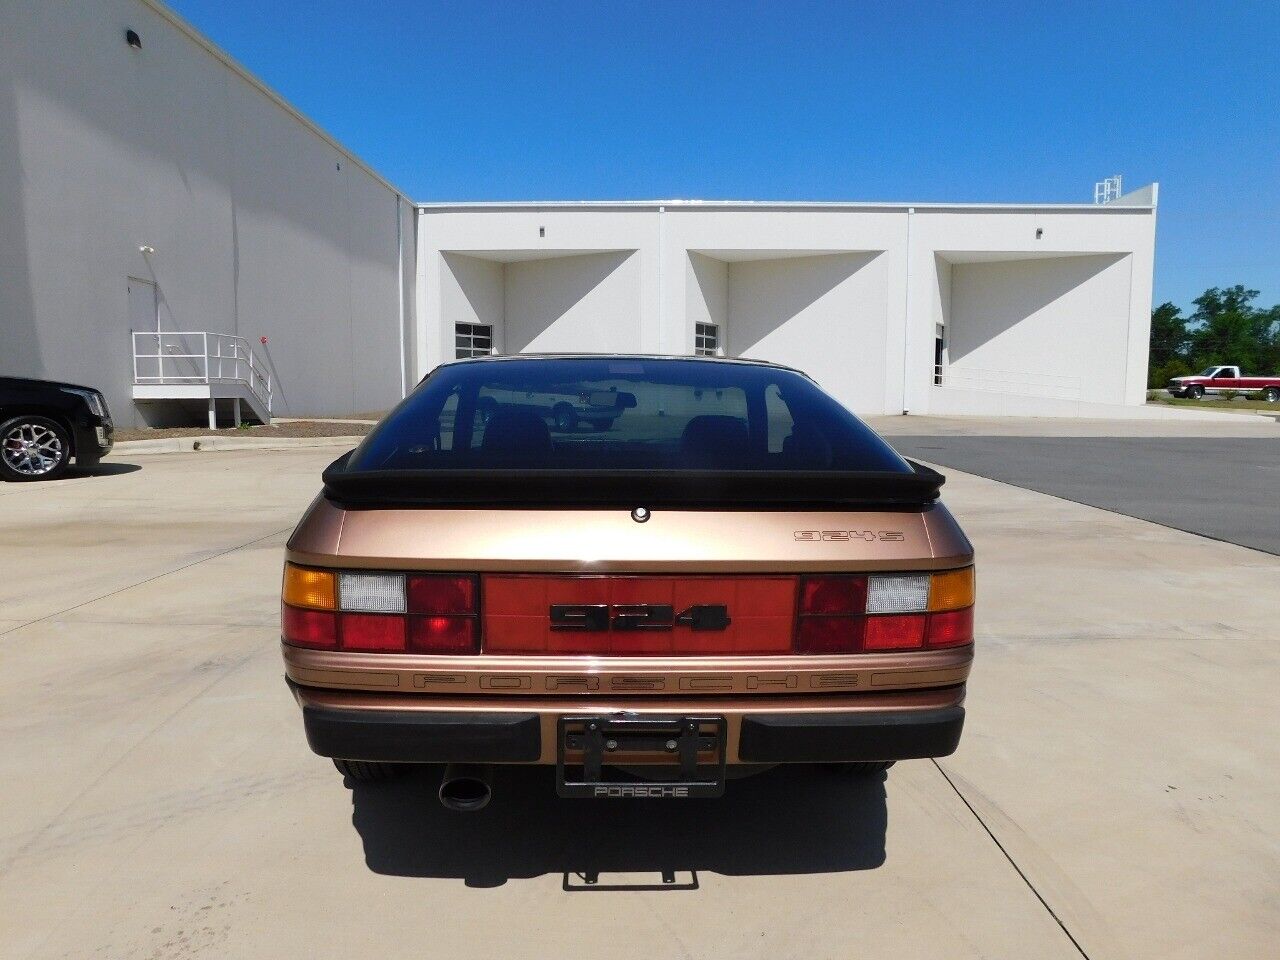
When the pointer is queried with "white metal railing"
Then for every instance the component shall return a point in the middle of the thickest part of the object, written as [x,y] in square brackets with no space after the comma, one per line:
[1028,383]
[196,356]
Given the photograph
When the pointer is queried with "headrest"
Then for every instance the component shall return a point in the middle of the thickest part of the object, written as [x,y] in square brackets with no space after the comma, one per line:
[713,441]
[806,447]
[513,431]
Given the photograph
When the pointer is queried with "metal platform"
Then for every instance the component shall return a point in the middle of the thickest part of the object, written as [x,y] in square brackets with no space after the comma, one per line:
[183,366]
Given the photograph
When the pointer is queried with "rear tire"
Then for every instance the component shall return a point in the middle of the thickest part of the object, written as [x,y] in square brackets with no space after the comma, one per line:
[368,771]
[1271,394]
[862,768]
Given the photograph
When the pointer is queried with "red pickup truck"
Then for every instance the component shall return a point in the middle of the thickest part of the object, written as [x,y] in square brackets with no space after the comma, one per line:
[1221,379]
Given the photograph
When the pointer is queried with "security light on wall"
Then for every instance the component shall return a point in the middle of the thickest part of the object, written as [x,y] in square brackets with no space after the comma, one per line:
[146,251]
[132,39]
[1039,232]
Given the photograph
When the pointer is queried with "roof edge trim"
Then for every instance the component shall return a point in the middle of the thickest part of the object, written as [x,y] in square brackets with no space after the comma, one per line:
[191,33]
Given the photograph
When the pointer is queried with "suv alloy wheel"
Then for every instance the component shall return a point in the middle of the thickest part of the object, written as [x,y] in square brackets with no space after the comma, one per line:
[33,448]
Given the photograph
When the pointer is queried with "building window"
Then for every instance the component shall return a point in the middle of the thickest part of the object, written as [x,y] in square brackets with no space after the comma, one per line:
[939,354]
[472,339]
[706,340]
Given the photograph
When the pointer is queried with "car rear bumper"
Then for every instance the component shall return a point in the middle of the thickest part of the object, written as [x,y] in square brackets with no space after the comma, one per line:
[835,738]
[837,728]
[408,736]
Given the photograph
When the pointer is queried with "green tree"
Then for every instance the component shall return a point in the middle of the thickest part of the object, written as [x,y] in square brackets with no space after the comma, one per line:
[1227,328]
[1169,335]
[1269,352]
[1169,341]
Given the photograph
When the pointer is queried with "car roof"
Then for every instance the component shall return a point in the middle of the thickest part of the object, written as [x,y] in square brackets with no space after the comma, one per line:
[500,358]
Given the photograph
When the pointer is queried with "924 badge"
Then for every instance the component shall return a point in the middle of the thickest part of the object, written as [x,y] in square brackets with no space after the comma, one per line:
[599,617]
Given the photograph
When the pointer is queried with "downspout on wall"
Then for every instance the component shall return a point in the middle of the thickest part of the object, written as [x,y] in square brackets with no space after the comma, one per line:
[404,384]
[661,267]
[906,321]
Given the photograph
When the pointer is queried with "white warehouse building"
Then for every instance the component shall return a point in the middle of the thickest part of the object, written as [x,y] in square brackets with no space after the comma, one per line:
[922,308]
[175,234]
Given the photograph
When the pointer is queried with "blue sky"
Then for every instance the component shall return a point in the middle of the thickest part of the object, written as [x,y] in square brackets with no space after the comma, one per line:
[795,100]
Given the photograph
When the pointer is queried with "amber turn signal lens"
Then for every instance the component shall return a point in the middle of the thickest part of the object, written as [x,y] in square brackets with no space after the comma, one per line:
[952,590]
[311,589]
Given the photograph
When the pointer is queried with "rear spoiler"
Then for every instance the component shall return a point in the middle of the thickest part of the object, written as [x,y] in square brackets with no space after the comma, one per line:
[672,489]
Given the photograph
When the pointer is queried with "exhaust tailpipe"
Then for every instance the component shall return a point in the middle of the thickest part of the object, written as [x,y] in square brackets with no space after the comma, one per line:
[466,786]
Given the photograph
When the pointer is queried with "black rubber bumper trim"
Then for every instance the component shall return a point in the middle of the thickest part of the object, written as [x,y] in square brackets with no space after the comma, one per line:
[835,737]
[416,736]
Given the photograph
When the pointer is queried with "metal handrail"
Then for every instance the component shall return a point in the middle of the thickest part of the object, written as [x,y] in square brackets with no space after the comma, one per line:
[222,358]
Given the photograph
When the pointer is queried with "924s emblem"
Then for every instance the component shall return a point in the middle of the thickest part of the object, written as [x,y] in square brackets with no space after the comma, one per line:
[600,617]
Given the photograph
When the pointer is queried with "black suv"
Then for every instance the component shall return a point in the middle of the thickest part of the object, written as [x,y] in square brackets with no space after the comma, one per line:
[44,424]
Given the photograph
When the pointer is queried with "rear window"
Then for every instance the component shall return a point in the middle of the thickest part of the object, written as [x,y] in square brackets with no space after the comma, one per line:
[621,414]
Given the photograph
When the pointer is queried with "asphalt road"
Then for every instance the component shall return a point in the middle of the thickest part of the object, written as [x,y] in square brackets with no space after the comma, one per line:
[1224,488]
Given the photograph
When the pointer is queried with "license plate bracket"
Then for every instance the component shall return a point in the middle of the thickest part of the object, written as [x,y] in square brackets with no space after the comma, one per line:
[696,745]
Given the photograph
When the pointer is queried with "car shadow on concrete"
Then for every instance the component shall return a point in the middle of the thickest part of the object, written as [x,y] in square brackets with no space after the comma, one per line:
[73,472]
[789,820]
[112,469]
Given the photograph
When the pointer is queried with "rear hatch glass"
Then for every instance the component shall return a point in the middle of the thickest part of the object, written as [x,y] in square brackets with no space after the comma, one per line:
[622,421]
[622,414]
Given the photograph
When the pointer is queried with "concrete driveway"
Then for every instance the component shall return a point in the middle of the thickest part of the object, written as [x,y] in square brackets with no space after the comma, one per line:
[1116,793]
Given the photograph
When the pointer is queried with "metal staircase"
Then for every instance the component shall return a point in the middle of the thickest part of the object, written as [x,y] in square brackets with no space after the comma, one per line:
[197,365]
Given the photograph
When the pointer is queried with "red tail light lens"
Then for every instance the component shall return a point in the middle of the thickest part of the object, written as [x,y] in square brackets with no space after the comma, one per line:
[895,632]
[829,634]
[309,628]
[442,594]
[447,621]
[833,595]
[373,632]
[951,629]
[830,615]
[444,635]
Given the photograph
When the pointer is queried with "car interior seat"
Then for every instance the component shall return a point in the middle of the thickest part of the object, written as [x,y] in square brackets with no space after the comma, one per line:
[807,448]
[714,441]
[512,431]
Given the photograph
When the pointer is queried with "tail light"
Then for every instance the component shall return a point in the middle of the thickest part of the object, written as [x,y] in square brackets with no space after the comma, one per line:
[438,613]
[879,612]
[443,635]
[309,628]
[380,612]
[951,629]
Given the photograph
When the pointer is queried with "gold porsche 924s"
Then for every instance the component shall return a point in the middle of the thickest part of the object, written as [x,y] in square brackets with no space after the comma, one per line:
[727,571]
